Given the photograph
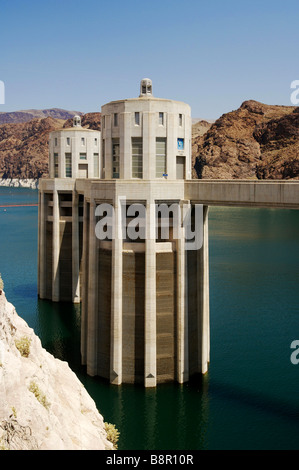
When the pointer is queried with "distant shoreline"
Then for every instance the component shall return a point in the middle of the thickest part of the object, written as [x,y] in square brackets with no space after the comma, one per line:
[19,183]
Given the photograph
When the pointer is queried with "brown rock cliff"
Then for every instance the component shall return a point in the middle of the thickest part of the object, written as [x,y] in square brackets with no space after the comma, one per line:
[255,141]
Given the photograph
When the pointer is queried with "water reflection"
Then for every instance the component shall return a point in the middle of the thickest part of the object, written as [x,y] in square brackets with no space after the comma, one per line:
[167,417]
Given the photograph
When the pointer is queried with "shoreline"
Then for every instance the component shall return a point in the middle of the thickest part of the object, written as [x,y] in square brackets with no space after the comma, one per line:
[19,183]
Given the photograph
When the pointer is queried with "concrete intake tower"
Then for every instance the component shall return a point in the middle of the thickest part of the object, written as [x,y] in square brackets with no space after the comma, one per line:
[104,241]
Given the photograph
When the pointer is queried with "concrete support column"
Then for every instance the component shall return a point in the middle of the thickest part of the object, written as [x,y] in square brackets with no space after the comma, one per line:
[116,299]
[56,249]
[92,313]
[203,298]
[42,246]
[84,307]
[150,335]
[75,249]
[182,310]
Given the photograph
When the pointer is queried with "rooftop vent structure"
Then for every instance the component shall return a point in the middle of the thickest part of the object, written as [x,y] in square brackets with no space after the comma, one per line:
[76,121]
[146,87]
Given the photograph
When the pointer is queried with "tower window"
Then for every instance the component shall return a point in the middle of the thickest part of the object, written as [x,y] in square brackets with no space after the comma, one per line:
[115,119]
[180,120]
[68,165]
[83,140]
[55,141]
[68,141]
[137,119]
[161,119]
[115,158]
[137,166]
[160,157]
[96,165]
[96,141]
[83,156]
[103,156]
[55,165]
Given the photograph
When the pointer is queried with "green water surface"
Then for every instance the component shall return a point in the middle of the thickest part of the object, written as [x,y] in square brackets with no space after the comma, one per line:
[250,398]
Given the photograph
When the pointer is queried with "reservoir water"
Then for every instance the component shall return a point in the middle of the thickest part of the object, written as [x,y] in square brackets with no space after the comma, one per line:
[250,397]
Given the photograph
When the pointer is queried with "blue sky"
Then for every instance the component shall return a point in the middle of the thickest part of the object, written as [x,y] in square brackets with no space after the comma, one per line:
[211,54]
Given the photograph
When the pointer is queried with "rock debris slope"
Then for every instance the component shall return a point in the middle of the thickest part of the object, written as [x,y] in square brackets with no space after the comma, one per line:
[43,405]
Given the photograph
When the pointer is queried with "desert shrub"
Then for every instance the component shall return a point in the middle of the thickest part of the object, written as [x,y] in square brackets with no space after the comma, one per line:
[112,434]
[23,345]
[41,397]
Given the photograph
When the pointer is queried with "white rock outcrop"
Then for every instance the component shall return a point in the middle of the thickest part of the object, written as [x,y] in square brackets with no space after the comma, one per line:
[43,405]
[18,183]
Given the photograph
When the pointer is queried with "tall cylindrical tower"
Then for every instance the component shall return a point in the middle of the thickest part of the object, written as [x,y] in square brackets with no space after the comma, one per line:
[74,152]
[135,312]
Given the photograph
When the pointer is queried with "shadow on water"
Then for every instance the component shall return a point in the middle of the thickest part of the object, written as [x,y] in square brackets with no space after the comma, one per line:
[256,401]
[58,326]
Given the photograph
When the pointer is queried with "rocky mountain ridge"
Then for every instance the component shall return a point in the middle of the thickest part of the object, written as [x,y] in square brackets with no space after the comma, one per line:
[256,141]
[14,117]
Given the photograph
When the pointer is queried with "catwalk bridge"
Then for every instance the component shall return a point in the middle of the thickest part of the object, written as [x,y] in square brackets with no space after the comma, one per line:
[244,193]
